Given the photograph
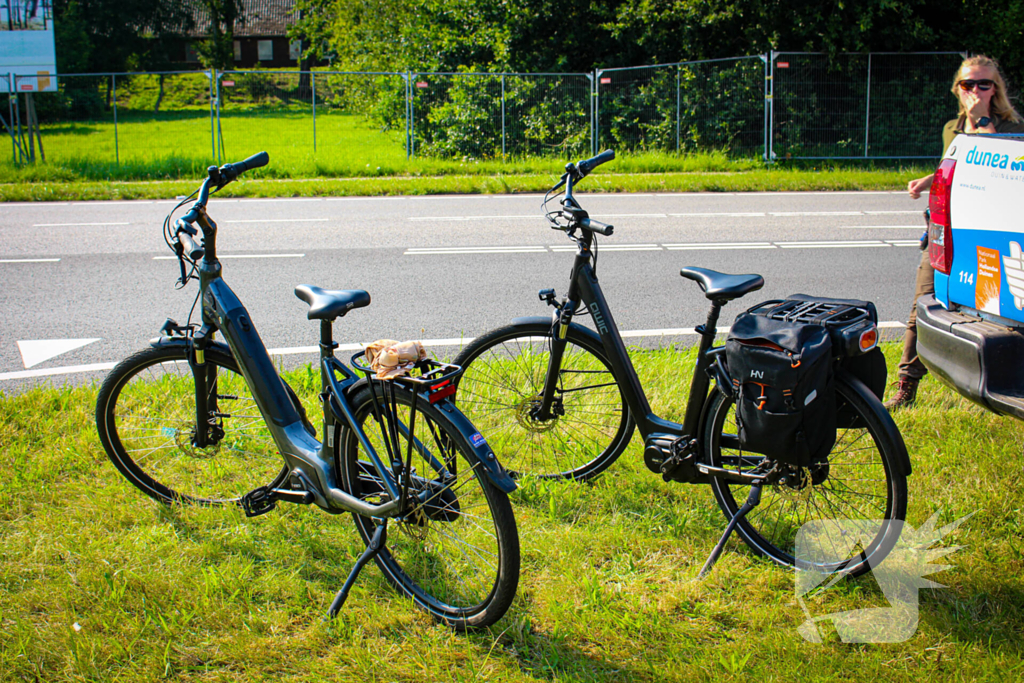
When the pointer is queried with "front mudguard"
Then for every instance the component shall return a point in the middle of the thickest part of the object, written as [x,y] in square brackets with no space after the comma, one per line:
[529,321]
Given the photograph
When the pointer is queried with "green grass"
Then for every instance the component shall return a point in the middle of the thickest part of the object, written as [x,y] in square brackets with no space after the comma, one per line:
[608,589]
[162,155]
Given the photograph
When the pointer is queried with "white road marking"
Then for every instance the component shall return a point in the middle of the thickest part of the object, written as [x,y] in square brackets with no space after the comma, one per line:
[832,245]
[415,251]
[224,256]
[692,246]
[720,245]
[36,351]
[29,260]
[280,220]
[815,213]
[449,342]
[72,225]
[474,218]
[67,370]
[740,214]
[901,227]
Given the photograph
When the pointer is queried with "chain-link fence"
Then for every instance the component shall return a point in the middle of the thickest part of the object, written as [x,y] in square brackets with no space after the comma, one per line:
[691,106]
[777,105]
[156,120]
[877,105]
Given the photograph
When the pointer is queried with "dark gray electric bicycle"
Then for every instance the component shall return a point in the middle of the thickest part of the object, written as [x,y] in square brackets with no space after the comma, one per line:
[193,420]
[559,400]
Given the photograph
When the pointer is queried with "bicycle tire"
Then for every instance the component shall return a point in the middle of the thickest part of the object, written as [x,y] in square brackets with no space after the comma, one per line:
[461,567]
[868,446]
[145,415]
[503,378]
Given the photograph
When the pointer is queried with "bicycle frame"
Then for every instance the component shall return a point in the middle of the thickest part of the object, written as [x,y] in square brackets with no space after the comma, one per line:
[584,286]
[309,461]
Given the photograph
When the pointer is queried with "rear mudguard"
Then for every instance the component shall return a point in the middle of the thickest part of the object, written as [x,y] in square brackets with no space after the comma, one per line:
[488,461]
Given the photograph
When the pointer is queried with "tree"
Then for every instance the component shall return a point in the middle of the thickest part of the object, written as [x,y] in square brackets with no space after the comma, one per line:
[113,35]
[218,50]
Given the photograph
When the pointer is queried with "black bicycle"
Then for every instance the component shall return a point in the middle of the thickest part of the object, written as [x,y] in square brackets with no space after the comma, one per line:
[559,400]
[193,420]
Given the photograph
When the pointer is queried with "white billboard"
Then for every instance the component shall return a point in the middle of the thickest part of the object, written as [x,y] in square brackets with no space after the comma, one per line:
[26,44]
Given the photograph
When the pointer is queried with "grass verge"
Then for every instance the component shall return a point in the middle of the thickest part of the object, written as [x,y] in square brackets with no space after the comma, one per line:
[762,180]
[99,583]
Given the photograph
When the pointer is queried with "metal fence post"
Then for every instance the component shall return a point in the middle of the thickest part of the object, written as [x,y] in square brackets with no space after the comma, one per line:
[678,107]
[867,111]
[595,110]
[503,116]
[409,130]
[214,94]
[117,151]
[771,106]
[312,80]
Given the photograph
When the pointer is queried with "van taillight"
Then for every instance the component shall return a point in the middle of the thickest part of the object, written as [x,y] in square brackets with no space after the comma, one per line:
[940,238]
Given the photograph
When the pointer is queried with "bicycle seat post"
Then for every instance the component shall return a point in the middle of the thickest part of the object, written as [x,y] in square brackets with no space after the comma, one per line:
[327,343]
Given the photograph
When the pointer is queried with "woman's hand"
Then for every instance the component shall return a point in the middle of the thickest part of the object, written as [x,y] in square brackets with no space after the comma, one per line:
[919,185]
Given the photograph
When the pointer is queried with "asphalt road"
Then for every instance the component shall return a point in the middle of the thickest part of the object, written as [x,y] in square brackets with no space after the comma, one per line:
[439,267]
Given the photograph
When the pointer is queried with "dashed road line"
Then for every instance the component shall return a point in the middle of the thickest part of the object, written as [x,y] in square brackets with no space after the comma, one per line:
[236,256]
[29,260]
[691,246]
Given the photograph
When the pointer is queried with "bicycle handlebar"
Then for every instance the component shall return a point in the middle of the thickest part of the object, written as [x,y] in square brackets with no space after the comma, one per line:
[588,165]
[232,171]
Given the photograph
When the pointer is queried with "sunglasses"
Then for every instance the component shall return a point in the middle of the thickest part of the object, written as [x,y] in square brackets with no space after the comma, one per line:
[983,85]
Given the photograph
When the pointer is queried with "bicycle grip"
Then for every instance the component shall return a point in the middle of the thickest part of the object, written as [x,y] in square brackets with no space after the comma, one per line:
[594,226]
[255,161]
[588,165]
[194,251]
[231,171]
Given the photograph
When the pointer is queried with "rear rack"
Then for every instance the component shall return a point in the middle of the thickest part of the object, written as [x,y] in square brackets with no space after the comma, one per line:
[824,313]
[435,378]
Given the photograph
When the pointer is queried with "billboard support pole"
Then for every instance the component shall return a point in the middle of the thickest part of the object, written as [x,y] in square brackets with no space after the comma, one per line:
[11,94]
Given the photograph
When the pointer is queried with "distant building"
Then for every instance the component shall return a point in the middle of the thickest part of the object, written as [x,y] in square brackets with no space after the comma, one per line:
[261,34]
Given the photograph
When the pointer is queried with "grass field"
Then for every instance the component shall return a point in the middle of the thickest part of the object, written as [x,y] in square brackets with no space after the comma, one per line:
[99,583]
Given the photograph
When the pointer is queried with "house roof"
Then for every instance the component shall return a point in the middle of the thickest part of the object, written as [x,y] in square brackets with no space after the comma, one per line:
[264,18]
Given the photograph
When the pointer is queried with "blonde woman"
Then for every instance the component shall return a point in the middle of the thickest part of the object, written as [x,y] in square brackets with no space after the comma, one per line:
[984,108]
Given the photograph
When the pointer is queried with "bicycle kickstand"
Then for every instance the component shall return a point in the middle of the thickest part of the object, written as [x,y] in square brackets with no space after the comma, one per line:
[376,544]
[752,501]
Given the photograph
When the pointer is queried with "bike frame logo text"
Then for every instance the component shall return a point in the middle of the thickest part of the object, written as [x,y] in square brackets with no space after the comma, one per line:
[602,327]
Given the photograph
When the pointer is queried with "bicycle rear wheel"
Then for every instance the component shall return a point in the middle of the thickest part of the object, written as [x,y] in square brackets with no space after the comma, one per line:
[146,417]
[862,482]
[456,551]
[504,376]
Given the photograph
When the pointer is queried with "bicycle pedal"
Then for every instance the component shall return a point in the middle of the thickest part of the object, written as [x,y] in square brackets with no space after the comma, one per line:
[258,502]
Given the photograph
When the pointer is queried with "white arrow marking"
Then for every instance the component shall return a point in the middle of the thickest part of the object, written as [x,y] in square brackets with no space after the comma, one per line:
[35,351]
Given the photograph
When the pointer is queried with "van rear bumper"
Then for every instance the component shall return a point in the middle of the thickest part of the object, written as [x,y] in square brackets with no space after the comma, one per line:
[980,359]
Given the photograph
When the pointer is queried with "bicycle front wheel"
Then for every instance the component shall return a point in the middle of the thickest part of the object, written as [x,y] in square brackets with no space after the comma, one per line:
[861,485]
[454,548]
[590,424]
[146,417]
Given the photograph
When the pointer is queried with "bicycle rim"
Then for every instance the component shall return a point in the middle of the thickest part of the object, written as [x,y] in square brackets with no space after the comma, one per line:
[456,552]
[861,486]
[501,388]
[146,418]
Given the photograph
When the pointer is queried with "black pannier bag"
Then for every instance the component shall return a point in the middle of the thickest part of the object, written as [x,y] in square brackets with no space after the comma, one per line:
[848,322]
[782,381]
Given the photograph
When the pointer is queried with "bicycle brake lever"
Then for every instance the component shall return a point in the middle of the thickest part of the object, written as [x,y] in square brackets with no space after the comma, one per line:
[179,250]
